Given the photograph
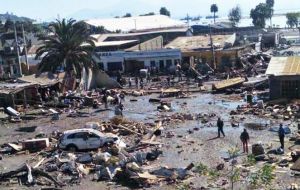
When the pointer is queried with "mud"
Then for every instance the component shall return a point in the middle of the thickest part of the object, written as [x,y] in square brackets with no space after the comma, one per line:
[188,145]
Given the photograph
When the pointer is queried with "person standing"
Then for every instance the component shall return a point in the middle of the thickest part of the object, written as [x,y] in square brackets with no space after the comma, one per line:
[136,82]
[281,135]
[129,82]
[245,138]
[220,125]
[105,101]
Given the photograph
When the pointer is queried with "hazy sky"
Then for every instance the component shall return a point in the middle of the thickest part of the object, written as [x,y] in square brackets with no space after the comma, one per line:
[50,9]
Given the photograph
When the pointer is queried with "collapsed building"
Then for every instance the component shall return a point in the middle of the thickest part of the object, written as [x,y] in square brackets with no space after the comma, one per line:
[25,91]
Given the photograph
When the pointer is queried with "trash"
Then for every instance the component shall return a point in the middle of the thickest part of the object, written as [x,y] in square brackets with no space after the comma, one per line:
[12,111]
[84,158]
[296,166]
[257,149]
[35,144]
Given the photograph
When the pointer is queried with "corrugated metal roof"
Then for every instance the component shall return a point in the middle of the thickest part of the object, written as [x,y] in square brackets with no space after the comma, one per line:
[199,42]
[279,66]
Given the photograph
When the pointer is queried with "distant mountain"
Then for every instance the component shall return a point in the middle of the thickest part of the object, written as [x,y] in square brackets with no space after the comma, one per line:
[14,18]
[134,7]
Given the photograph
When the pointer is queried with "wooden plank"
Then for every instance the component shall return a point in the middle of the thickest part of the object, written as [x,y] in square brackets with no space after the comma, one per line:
[228,83]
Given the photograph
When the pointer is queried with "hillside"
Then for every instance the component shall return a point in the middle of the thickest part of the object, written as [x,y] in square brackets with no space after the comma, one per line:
[14,18]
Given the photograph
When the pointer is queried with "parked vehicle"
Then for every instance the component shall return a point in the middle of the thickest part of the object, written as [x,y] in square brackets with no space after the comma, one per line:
[83,139]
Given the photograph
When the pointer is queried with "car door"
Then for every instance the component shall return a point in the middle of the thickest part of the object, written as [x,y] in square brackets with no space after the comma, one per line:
[80,140]
[94,141]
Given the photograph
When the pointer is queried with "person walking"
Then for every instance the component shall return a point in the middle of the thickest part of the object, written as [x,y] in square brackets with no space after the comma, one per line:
[220,125]
[245,138]
[281,135]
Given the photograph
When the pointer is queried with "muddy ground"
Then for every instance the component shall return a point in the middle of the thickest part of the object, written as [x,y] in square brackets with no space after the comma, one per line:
[187,146]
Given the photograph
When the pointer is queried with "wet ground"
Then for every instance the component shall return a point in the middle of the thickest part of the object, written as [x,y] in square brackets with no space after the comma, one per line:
[187,146]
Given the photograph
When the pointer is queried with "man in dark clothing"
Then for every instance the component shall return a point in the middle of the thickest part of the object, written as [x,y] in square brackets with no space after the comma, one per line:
[281,135]
[245,138]
[104,99]
[220,125]
[136,82]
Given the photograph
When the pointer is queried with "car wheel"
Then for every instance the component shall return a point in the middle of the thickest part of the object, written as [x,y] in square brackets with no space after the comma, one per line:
[72,148]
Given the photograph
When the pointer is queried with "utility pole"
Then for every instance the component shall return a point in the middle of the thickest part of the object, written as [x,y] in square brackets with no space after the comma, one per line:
[17,48]
[212,48]
[25,47]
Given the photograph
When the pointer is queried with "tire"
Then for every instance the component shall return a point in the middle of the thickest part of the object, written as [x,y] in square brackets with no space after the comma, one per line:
[72,148]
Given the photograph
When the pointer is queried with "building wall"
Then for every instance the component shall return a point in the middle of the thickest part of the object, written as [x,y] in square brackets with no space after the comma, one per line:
[284,87]
[9,67]
[220,55]
[141,59]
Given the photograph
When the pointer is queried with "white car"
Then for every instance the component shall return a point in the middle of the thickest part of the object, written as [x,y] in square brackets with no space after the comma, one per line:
[83,139]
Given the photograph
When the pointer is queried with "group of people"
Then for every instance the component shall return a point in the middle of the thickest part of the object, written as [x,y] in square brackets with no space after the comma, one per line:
[139,81]
[245,135]
[114,98]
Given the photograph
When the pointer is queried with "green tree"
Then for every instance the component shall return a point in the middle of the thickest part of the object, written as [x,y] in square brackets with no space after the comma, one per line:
[68,46]
[235,15]
[292,19]
[148,14]
[9,25]
[127,15]
[99,30]
[270,5]
[164,11]
[214,9]
[259,15]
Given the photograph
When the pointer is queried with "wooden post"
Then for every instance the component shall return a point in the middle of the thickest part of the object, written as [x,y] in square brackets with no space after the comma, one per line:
[13,101]
[25,100]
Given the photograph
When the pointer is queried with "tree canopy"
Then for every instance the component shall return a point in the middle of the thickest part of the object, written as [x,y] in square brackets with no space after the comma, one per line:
[213,9]
[235,15]
[148,14]
[293,19]
[69,46]
[127,15]
[164,11]
[262,12]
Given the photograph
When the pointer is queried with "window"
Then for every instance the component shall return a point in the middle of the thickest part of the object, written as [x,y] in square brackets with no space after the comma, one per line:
[114,66]
[169,63]
[79,135]
[290,88]
[161,64]
[93,135]
[152,63]
[101,66]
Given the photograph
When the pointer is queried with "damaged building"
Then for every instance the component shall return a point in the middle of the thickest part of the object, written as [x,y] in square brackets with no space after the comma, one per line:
[25,91]
[198,49]
[284,77]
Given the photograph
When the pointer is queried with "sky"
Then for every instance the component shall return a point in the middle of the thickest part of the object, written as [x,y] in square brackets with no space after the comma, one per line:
[45,10]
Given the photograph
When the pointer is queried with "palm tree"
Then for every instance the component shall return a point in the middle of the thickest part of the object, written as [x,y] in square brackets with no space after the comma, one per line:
[68,46]
[214,9]
[270,5]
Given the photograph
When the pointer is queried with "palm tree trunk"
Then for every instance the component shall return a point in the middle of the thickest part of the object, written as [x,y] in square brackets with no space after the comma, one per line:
[214,17]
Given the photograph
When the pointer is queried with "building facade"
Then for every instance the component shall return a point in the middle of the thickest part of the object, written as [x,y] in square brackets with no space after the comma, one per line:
[130,62]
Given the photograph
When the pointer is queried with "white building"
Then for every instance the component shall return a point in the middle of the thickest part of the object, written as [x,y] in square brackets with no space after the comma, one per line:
[162,59]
